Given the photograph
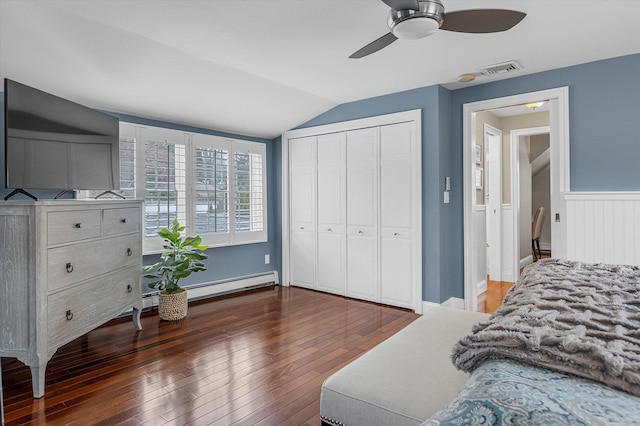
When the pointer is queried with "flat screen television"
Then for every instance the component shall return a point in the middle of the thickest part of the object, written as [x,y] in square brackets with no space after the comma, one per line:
[53,143]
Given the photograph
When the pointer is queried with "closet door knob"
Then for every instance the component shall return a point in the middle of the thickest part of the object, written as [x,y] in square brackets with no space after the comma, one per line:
[129,288]
[302,227]
[69,315]
[129,252]
[360,232]
[330,230]
[78,225]
[123,220]
[395,233]
[69,267]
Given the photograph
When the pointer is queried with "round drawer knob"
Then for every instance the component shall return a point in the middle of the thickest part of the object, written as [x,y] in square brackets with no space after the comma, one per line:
[123,220]
[129,288]
[69,315]
[129,252]
[78,225]
[69,267]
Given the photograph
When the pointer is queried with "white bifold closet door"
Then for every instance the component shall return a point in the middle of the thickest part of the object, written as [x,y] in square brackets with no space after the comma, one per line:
[331,177]
[362,213]
[303,211]
[396,217]
[353,213]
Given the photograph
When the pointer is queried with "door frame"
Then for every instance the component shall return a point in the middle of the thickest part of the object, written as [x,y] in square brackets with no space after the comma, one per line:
[560,171]
[414,116]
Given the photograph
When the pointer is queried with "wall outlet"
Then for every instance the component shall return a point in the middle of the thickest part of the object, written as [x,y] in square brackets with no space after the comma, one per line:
[267,259]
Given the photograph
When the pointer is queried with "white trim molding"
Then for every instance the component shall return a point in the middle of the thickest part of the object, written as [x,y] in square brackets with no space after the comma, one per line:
[454,302]
[219,287]
[412,116]
[558,99]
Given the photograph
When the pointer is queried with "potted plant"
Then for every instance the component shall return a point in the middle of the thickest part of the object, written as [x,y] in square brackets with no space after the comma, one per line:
[180,258]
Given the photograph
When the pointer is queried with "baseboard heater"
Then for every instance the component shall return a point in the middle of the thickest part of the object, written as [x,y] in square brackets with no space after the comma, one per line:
[218,288]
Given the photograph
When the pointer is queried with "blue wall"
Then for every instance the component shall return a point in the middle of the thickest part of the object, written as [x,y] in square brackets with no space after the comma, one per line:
[604,141]
[604,131]
[605,156]
[604,116]
[223,262]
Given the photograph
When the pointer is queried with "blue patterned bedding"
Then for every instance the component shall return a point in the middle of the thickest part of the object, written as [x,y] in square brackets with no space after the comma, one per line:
[501,392]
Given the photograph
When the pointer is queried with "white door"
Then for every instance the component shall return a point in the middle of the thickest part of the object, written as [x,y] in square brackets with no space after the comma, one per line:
[396,215]
[362,213]
[493,200]
[331,199]
[302,156]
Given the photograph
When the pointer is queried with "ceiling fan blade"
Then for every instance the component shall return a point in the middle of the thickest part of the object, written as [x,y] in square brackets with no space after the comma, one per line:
[481,20]
[374,46]
[402,4]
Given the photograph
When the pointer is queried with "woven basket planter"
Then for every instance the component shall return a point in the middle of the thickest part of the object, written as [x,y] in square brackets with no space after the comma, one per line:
[173,307]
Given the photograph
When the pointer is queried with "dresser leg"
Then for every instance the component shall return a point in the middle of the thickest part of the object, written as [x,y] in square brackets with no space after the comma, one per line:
[136,318]
[38,373]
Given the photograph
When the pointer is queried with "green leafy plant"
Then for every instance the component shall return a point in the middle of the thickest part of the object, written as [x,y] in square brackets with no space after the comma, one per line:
[180,258]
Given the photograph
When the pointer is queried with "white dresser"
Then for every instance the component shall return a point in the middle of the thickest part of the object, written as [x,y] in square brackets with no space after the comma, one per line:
[66,267]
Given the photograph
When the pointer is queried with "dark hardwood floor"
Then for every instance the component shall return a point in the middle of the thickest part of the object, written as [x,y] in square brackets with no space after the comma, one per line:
[254,358]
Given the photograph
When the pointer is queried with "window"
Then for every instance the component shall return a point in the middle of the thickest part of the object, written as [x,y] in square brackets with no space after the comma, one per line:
[215,186]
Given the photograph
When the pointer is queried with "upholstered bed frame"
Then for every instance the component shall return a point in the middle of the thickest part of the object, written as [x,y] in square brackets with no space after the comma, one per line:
[564,348]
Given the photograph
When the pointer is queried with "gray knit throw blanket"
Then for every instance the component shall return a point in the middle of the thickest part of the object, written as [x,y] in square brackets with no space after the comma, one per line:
[572,317]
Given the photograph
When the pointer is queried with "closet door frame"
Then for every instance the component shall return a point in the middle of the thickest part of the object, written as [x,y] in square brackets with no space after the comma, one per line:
[413,116]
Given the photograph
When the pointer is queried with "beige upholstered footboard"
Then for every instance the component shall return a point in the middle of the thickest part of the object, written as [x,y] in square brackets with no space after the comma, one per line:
[403,380]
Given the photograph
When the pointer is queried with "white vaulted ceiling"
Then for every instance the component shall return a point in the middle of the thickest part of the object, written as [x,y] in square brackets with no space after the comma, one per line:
[260,67]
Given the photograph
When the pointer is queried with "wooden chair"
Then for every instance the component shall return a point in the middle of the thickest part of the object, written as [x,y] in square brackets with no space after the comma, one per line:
[536,226]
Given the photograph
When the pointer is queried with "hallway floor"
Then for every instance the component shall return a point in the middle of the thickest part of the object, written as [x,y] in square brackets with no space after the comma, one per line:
[491,300]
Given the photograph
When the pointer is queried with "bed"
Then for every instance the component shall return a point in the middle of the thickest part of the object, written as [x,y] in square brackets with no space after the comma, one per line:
[564,348]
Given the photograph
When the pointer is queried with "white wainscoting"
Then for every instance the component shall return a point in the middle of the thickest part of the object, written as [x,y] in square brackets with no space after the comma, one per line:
[603,227]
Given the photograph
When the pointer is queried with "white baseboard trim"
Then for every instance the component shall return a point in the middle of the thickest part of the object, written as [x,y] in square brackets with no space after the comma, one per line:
[482,286]
[525,261]
[216,288]
[429,306]
[454,302]
[507,277]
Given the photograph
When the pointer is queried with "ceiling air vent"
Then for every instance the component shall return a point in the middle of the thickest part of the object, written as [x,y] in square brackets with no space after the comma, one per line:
[501,68]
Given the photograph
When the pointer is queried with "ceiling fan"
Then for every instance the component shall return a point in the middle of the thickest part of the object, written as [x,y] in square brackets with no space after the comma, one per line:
[415,19]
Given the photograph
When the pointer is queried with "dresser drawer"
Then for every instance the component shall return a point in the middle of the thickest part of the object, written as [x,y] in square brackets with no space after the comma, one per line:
[120,221]
[69,226]
[76,310]
[74,263]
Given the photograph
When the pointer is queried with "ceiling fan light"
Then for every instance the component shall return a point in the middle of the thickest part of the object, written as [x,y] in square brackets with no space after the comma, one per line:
[415,28]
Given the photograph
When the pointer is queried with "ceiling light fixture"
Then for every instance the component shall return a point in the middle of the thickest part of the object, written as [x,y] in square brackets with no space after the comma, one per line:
[408,24]
[466,78]
[534,105]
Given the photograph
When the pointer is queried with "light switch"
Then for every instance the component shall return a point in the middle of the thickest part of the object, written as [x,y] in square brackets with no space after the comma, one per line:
[267,259]
[446,197]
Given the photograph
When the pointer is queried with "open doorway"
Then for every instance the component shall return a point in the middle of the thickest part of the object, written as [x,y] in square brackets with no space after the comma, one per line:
[496,224]
[515,141]
[531,193]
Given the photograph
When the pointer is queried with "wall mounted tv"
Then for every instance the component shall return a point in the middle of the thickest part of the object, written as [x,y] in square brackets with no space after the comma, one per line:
[53,143]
